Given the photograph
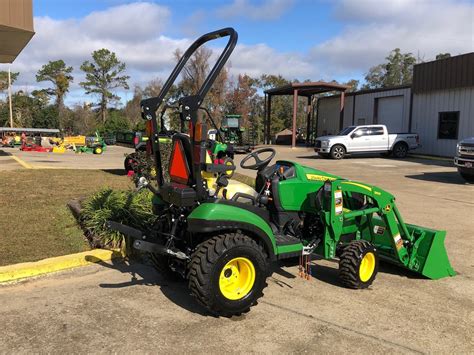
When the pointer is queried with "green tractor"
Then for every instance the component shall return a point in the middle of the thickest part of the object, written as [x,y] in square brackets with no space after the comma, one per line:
[233,132]
[223,236]
[94,145]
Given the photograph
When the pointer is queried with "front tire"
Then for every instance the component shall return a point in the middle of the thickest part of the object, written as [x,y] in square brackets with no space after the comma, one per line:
[468,177]
[227,274]
[338,152]
[358,264]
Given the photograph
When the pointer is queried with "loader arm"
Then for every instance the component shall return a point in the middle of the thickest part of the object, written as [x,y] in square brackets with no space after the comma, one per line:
[380,222]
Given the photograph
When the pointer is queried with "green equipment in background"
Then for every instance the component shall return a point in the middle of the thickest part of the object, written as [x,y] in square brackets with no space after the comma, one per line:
[94,145]
[234,134]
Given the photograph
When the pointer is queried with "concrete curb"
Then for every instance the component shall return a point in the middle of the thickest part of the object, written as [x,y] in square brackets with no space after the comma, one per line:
[24,270]
[429,157]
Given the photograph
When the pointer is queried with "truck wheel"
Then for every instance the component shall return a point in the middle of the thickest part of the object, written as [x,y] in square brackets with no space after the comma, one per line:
[98,150]
[400,150]
[468,177]
[227,274]
[358,264]
[338,152]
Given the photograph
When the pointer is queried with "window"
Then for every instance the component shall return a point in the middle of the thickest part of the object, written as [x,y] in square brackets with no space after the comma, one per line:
[376,131]
[361,132]
[448,125]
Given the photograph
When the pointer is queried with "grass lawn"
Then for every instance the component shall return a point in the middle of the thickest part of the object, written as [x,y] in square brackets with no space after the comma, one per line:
[35,222]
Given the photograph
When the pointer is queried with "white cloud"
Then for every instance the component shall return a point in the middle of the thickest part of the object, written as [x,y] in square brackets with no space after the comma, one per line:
[267,10]
[137,34]
[373,28]
[261,59]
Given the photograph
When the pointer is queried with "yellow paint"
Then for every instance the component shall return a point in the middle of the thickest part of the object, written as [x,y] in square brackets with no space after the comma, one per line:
[75,140]
[357,184]
[237,278]
[367,267]
[45,266]
[22,163]
[315,177]
[59,149]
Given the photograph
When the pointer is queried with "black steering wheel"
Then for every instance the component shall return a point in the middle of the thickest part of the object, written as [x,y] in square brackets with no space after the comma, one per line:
[259,163]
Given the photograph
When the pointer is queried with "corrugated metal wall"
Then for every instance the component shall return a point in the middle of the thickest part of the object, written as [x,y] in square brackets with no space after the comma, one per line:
[328,115]
[449,73]
[425,119]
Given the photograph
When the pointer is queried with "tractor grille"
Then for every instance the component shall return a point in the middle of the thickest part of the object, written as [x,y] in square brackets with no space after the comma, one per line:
[317,144]
[466,149]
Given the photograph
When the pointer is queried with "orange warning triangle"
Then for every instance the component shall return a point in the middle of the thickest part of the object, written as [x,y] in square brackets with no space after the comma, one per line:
[179,170]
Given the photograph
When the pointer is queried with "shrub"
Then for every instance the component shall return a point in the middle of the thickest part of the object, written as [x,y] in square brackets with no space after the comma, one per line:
[128,207]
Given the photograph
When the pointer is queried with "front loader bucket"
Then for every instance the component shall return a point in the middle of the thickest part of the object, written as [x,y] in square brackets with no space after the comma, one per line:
[428,255]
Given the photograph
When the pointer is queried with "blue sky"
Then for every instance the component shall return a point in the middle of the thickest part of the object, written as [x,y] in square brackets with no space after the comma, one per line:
[303,39]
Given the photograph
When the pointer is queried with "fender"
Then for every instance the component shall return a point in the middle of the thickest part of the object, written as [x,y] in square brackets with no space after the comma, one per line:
[214,217]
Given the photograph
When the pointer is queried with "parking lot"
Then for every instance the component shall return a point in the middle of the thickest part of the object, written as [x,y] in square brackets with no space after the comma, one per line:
[129,308]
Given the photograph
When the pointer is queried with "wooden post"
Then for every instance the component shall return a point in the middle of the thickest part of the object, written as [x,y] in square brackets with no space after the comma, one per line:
[341,112]
[269,112]
[308,121]
[10,97]
[295,109]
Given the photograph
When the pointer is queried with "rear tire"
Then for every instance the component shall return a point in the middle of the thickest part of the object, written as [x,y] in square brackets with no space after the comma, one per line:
[400,150]
[227,274]
[161,263]
[338,152]
[358,264]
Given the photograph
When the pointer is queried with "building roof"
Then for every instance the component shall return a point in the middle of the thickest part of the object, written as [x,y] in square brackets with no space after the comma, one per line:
[306,89]
[29,130]
[16,28]
[444,74]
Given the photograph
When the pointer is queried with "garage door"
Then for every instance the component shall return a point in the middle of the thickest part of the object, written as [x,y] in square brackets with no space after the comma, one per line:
[390,113]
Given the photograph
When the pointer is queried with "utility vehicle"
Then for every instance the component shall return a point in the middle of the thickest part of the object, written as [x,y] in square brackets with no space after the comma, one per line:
[366,139]
[222,235]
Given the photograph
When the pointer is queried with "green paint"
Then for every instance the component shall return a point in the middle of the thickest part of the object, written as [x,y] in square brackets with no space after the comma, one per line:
[221,212]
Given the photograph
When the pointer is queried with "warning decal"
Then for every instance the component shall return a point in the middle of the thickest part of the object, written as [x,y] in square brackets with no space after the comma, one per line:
[338,205]
[398,241]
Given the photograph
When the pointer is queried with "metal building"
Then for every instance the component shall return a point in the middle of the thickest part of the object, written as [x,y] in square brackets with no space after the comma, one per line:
[439,106]
[380,106]
[443,103]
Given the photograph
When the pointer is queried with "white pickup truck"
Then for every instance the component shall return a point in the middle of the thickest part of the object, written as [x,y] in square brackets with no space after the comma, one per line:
[366,139]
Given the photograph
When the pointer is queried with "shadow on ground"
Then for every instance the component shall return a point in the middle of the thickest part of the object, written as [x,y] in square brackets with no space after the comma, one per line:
[178,292]
[141,274]
[447,177]
[4,153]
[118,172]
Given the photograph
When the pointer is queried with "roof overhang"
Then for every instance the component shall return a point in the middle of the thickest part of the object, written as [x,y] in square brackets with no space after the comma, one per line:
[12,42]
[306,89]
[16,28]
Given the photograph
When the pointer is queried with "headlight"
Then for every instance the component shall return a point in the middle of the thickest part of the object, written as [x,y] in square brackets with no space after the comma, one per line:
[324,143]
[458,148]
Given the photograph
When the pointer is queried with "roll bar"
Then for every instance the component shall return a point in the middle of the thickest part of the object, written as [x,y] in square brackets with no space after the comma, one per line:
[188,105]
[151,105]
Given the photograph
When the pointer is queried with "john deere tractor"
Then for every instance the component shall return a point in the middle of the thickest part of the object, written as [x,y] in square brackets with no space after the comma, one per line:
[233,133]
[222,236]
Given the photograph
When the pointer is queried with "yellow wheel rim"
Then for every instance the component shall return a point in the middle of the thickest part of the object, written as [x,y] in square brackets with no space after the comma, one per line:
[229,172]
[237,278]
[367,267]
[98,151]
